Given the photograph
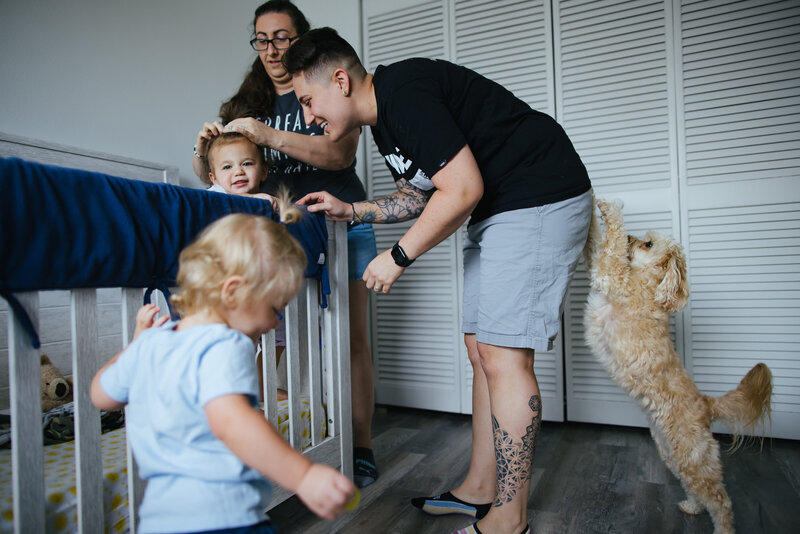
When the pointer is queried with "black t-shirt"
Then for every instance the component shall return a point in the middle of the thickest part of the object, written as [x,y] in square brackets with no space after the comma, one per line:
[302,178]
[429,109]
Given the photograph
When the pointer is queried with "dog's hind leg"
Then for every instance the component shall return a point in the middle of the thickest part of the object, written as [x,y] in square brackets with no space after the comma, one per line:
[691,505]
[700,471]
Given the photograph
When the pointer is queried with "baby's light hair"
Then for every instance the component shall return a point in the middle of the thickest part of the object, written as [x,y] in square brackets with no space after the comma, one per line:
[289,213]
[261,251]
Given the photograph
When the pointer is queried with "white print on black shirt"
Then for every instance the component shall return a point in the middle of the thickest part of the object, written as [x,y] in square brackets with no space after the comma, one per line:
[289,122]
[401,165]
[398,163]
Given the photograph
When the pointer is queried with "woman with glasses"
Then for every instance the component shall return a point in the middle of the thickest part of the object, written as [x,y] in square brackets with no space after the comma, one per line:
[266,110]
[460,146]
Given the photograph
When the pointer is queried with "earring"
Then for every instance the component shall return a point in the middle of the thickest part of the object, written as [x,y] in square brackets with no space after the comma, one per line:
[344,92]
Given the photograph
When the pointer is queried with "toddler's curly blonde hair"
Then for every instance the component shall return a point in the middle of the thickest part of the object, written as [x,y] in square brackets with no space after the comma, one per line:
[261,251]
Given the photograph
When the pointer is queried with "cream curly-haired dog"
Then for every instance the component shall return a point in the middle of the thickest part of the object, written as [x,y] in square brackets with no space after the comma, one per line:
[635,285]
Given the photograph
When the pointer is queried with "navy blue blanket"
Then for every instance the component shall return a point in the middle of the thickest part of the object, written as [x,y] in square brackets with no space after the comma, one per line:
[66,228]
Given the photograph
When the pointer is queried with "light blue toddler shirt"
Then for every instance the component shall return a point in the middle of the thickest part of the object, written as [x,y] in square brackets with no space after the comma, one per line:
[167,376]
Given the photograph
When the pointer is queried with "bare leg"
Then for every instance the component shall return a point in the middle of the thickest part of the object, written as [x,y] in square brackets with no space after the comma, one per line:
[516,417]
[361,370]
[479,485]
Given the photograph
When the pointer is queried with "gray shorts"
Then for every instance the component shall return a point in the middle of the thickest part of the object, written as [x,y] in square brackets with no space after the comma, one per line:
[517,266]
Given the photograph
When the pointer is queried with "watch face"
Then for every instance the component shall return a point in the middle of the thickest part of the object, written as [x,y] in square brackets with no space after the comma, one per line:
[399,257]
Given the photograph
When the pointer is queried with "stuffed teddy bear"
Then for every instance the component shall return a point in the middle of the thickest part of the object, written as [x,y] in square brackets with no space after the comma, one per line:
[56,390]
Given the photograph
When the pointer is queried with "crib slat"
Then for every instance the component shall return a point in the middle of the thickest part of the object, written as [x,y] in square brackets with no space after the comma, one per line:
[292,355]
[329,340]
[25,389]
[303,305]
[328,381]
[269,378]
[131,302]
[88,453]
[314,377]
[339,338]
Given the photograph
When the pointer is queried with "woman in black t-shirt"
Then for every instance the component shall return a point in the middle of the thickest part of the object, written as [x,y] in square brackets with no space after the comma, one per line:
[461,146]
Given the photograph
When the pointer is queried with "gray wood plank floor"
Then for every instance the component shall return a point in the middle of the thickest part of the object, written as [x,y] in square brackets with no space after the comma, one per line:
[587,479]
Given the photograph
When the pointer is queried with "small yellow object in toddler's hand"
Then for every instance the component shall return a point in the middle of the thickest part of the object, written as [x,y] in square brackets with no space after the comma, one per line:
[352,502]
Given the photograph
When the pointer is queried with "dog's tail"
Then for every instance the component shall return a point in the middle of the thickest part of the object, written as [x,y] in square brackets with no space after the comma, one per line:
[746,405]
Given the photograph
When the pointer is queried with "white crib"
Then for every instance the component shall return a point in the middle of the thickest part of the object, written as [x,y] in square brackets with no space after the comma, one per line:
[317,362]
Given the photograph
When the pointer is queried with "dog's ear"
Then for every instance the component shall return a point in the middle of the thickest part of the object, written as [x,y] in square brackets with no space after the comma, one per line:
[673,291]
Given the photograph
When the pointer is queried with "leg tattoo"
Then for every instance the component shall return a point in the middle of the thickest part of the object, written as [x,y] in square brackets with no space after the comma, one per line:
[514,459]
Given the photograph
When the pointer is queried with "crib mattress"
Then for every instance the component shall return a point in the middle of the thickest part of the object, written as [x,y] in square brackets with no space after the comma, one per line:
[60,493]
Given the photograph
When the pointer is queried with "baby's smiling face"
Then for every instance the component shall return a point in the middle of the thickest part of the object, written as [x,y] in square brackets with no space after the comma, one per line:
[238,167]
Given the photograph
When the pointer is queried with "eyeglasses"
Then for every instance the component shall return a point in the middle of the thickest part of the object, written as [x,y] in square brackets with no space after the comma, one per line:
[280,43]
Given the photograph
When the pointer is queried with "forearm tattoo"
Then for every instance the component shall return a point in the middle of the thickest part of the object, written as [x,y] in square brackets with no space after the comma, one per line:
[407,203]
[515,459]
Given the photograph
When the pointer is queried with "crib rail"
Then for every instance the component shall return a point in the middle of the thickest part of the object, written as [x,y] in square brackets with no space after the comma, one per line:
[318,367]
[27,457]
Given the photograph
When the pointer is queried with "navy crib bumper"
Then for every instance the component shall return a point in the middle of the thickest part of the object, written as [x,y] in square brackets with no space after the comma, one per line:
[66,228]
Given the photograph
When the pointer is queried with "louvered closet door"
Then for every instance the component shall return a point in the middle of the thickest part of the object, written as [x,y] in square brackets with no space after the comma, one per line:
[614,98]
[740,185]
[510,42]
[416,336]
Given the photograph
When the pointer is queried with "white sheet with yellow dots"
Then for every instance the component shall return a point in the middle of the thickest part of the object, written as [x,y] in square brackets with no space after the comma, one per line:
[61,501]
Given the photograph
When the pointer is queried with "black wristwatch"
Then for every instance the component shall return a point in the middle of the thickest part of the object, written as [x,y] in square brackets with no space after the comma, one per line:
[399,256]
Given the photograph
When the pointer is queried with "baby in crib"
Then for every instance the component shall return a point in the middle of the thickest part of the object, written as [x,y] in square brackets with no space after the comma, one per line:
[236,165]
[190,388]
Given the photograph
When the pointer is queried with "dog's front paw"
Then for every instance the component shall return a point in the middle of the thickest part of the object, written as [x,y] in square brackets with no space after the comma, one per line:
[616,238]
[609,210]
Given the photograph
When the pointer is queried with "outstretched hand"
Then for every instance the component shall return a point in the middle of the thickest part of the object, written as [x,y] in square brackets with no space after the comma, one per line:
[330,205]
[145,318]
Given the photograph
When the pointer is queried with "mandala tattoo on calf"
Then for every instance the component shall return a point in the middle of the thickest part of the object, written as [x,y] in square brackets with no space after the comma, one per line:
[515,458]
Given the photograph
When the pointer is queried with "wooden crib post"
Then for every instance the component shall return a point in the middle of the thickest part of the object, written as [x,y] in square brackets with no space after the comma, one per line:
[338,344]
[25,388]
[269,378]
[313,364]
[293,373]
[131,302]
[88,454]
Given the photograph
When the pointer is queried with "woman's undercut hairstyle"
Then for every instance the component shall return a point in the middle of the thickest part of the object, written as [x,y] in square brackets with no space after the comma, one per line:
[256,95]
[270,261]
[320,51]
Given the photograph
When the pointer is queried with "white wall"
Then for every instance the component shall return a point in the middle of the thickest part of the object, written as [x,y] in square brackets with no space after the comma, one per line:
[131,78]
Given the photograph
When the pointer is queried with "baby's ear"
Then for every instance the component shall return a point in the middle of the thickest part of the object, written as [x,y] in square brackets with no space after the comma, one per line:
[229,293]
[673,291]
